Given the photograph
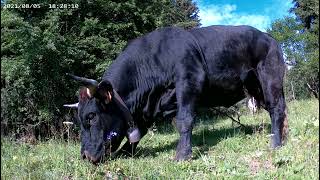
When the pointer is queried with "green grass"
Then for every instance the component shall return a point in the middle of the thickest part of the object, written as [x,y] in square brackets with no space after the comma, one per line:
[220,151]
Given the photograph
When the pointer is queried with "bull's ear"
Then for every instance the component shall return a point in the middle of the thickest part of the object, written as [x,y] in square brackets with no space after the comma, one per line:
[105,91]
[84,94]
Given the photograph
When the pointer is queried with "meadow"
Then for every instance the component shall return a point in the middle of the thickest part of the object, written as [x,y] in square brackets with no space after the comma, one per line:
[221,150]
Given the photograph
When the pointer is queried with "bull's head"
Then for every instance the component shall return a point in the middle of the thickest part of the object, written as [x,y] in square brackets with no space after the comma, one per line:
[104,119]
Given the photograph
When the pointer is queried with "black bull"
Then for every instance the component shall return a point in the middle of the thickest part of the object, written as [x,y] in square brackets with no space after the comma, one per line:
[170,72]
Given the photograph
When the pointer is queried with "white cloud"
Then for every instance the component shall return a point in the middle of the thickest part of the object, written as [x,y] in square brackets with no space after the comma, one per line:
[279,8]
[226,15]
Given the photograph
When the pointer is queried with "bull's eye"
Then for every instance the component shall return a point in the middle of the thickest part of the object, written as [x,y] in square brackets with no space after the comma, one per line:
[91,116]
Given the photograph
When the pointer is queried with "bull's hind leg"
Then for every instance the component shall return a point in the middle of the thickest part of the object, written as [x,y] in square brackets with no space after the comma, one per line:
[271,72]
[188,87]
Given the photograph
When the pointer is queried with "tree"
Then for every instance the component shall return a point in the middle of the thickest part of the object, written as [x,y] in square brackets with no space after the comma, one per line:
[299,40]
[183,13]
[307,11]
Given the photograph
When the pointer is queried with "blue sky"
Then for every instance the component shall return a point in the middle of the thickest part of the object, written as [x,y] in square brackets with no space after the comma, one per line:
[257,13]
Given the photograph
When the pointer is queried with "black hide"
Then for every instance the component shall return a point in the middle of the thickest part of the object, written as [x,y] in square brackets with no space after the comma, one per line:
[170,72]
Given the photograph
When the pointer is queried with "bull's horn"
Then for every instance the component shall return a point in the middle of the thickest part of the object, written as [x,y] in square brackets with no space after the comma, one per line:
[75,105]
[89,83]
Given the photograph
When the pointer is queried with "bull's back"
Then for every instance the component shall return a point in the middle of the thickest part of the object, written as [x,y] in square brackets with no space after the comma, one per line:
[229,52]
[229,47]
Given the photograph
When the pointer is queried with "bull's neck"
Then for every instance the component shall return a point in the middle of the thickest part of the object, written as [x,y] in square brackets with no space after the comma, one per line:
[130,94]
[130,82]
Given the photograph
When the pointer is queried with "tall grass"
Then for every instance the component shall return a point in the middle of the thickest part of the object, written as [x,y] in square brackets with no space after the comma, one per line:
[220,151]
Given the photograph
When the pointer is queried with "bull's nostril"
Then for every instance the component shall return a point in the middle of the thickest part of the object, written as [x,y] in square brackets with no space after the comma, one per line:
[87,155]
[83,155]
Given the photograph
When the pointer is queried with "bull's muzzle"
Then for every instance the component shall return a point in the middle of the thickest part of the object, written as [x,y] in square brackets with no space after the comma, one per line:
[92,159]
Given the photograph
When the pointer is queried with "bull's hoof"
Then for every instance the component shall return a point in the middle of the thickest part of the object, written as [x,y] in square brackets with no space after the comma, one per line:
[276,141]
[275,146]
[272,147]
[183,156]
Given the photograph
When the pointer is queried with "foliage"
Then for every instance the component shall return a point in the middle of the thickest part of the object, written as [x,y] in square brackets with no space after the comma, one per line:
[299,41]
[220,151]
[39,46]
[307,11]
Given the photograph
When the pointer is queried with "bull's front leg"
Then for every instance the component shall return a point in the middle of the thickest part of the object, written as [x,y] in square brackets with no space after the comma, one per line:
[190,78]
[184,124]
[187,92]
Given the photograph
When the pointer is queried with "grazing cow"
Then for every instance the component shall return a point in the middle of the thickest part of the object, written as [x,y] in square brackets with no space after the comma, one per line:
[170,72]
[252,105]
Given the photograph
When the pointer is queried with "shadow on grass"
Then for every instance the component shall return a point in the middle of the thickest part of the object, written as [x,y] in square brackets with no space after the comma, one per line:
[204,139]
[167,126]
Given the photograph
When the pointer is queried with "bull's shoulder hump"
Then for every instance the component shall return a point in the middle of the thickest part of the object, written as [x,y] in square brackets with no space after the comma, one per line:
[219,30]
